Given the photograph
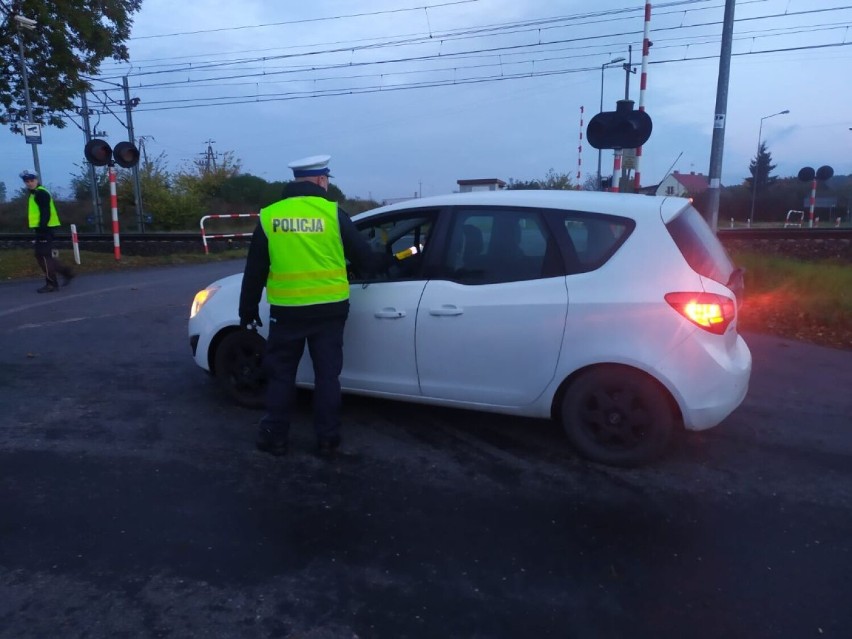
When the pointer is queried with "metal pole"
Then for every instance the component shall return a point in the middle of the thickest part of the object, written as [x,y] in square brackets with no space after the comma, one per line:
[93,180]
[36,164]
[756,171]
[628,68]
[757,163]
[718,144]
[603,66]
[137,187]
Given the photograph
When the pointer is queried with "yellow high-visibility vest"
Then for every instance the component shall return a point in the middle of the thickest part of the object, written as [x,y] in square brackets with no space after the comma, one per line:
[34,213]
[306,259]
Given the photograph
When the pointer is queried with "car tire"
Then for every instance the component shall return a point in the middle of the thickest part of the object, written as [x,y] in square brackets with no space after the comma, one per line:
[239,370]
[617,416]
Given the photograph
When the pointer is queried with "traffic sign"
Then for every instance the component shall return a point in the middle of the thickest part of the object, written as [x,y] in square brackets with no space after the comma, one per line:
[32,132]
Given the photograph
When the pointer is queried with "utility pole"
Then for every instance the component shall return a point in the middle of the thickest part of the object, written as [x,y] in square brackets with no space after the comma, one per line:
[26,23]
[712,215]
[93,180]
[137,187]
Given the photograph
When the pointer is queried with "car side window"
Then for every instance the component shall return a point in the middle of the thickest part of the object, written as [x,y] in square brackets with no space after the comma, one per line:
[405,235]
[595,238]
[490,246]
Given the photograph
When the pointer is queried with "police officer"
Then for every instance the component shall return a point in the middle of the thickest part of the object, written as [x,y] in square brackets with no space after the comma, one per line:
[43,217]
[298,252]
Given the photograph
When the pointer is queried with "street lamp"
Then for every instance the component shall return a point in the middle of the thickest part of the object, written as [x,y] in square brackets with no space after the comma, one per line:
[28,24]
[756,160]
[604,66]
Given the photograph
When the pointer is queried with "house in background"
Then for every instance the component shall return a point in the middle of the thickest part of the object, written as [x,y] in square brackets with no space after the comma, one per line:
[485,184]
[683,184]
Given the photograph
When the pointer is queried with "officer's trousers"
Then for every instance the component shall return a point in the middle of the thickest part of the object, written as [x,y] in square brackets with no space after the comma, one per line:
[48,264]
[284,350]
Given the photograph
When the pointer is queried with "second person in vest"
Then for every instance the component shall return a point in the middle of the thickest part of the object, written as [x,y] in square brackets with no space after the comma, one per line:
[43,217]
[298,252]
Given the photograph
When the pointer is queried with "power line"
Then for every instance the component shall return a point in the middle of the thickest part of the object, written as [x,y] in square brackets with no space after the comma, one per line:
[539,24]
[505,50]
[235,100]
[205,83]
[302,21]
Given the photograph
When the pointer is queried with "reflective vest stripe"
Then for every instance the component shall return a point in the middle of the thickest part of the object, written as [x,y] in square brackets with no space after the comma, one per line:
[307,275]
[294,294]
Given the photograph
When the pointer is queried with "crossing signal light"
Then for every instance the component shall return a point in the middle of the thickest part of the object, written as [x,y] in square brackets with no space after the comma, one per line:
[623,128]
[99,153]
[126,154]
[823,173]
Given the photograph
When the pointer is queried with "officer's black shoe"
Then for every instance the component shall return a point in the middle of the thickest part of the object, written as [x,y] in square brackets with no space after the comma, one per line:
[47,288]
[328,447]
[67,277]
[267,442]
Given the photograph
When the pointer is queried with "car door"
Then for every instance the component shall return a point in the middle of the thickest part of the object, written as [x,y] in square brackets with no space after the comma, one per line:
[490,331]
[379,338]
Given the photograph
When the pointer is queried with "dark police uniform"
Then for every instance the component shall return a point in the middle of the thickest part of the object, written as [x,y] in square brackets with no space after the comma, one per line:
[43,217]
[298,252]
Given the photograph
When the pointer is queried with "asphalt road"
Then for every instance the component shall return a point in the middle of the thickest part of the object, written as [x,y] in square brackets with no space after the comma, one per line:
[132,502]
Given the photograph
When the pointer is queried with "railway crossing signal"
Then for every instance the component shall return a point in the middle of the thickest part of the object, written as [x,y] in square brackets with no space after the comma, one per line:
[99,153]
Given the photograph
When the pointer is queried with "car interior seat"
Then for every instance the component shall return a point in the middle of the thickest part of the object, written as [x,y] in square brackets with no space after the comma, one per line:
[472,247]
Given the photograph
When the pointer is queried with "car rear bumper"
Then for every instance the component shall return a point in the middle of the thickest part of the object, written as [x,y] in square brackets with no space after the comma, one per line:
[709,378]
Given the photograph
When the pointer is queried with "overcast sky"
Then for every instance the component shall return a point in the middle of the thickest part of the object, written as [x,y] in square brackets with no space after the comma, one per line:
[408,100]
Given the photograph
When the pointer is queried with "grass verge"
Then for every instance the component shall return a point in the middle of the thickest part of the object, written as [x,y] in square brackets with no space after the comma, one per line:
[20,263]
[810,301]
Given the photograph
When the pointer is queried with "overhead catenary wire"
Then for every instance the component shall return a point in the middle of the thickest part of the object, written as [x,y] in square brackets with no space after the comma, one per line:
[478,32]
[526,57]
[198,102]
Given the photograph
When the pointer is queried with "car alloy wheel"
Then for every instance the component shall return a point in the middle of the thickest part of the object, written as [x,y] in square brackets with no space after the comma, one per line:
[618,416]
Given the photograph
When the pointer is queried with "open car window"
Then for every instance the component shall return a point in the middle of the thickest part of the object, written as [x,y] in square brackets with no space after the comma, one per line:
[405,235]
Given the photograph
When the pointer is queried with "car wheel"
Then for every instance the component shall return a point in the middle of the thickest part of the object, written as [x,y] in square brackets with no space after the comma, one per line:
[617,416]
[239,367]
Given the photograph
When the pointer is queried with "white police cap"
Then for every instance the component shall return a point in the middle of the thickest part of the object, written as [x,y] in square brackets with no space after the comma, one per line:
[311,166]
[26,174]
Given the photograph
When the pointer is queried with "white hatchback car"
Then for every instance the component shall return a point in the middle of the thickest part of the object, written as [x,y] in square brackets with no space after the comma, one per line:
[615,314]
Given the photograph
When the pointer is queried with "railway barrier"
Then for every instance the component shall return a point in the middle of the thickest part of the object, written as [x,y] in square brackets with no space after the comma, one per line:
[204,236]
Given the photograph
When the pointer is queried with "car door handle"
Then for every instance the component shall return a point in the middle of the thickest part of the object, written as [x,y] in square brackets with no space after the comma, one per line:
[446,309]
[390,313]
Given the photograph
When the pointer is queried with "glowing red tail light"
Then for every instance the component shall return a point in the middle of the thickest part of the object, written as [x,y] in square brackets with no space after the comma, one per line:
[709,311]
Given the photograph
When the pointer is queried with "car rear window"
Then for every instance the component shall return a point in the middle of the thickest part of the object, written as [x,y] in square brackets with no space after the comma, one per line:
[700,247]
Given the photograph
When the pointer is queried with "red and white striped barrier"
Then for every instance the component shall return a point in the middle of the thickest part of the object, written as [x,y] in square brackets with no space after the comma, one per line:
[643,83]
[812,203]
[75,244]
[616,171]
[204,236]
[113,200]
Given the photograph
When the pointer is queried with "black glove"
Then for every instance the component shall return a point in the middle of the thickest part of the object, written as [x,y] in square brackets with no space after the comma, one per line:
[250,318]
